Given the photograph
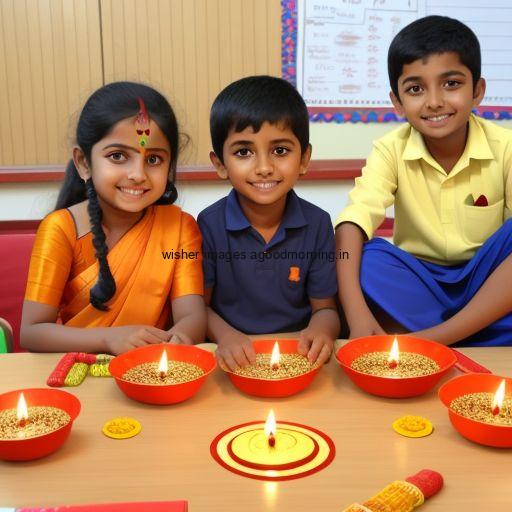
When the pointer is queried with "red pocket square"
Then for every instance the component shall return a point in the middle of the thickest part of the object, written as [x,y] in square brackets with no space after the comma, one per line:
[481,201]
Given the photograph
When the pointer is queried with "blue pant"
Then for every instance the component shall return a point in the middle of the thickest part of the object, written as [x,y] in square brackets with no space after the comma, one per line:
[418,294]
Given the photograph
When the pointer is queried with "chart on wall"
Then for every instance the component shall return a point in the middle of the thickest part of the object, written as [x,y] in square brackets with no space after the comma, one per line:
[335,52]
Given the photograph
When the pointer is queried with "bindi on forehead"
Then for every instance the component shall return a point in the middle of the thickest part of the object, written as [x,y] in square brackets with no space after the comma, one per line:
[142,125]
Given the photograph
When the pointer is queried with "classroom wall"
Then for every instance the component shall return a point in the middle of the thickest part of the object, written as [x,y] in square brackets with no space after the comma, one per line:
[58,51]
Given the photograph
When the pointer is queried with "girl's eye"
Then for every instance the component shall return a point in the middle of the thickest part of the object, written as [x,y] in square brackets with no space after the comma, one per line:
[117,157]
[414,89]
[280,151]
[154,160]
[243,152]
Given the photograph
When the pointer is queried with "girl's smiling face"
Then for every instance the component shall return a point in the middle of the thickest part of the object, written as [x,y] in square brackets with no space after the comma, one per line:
[126,176]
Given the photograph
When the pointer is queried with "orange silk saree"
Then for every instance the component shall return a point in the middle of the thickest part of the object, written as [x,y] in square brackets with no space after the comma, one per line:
[63,269]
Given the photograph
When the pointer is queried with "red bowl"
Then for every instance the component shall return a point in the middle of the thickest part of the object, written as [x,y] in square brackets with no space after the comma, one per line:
[40,446]
[278,387]
[167,394]
[395,387]
[483,433]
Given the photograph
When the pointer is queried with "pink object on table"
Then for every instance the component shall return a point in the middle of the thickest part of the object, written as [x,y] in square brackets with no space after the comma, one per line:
[156,506]
[467,365]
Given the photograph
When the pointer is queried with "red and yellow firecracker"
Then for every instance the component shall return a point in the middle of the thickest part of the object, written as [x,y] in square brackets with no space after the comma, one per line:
[73,367]
[402,495]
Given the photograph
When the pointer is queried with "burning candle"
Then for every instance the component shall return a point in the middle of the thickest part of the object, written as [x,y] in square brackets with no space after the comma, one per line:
[163,366]
[394,355]
[275,357]
[35,422]
[22,411]
[163,371]
[15,423]
[499,396]
[271,428]
[396,363]
[262,447]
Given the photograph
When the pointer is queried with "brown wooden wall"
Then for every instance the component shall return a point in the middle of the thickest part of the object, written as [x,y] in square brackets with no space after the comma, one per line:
[54,53]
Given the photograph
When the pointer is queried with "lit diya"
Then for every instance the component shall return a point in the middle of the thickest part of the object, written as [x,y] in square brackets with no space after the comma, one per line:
[273,450]
[479,408]
[35,422]
[163,373]
[279,370]
[396,368]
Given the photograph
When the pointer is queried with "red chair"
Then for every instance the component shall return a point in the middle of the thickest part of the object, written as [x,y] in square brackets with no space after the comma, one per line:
[15,250]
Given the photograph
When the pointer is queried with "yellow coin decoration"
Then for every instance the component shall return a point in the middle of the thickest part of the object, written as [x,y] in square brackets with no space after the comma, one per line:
[121,428]
[413,426]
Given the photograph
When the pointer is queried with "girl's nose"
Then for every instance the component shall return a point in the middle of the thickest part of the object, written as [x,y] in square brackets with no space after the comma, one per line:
[137,171]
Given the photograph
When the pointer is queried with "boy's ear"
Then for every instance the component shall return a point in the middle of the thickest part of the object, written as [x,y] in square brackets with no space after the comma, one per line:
[219,166]
[304,161]
[397,104]
[81,163]
[479,92]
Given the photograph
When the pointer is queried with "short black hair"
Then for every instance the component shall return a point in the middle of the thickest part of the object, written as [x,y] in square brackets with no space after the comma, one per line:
[433,35]
[253,101]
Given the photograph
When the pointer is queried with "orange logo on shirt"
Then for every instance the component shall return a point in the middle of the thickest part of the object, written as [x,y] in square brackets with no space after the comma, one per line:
[294,275]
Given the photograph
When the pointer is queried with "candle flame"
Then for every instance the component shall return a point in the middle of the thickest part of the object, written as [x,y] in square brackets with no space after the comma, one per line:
[394,354]
[275,357]
[163,366]
[270,424]
[497,402]
[22,412]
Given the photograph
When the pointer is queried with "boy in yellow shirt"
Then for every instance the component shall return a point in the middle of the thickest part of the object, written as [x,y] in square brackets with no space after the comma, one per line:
[447,278]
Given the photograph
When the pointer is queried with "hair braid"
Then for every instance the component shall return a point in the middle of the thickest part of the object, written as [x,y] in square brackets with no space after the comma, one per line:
[105,286]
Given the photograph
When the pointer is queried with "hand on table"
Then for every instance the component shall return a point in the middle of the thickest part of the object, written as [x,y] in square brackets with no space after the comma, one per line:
[315,345]
[235,350]
[179,338]
[122,339]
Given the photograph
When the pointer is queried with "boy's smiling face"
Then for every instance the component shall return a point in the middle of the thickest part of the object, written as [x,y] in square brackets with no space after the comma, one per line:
[437,95]
[262,166]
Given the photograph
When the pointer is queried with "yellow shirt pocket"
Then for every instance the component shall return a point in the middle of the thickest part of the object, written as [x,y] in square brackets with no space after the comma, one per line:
[480,222]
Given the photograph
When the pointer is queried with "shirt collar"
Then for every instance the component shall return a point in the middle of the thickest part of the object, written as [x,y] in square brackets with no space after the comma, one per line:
[477,146]
[235,217]
[237,221]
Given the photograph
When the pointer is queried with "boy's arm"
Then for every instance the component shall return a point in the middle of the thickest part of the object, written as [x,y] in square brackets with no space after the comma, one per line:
[316,341]
[361,322]
[234,348]
[373,192]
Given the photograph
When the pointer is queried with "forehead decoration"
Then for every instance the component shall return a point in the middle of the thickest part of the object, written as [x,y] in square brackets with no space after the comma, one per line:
[142,124]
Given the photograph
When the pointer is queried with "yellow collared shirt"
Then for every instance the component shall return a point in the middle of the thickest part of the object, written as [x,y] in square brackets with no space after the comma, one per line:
[435,216]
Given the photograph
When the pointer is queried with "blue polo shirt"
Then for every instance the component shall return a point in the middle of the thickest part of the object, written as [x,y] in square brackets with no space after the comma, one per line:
[263,287]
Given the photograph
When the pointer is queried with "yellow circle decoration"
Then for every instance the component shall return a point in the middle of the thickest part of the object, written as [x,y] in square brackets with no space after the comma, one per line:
[413,426]
[121,428]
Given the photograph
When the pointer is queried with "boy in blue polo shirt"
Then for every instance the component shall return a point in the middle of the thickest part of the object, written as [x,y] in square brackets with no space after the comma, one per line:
[268,255]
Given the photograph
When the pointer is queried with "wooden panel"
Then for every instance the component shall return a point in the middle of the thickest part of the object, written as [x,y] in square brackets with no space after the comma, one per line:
[56,52]
[51,62]
[318,170]
[190,50]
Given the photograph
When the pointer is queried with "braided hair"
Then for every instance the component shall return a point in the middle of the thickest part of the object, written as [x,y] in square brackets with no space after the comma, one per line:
[103,110]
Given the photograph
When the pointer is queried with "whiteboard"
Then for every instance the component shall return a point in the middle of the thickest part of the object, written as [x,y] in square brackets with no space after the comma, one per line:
[341,53]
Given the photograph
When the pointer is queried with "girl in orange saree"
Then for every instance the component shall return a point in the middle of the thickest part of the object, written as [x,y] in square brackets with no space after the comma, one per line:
[116,265]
